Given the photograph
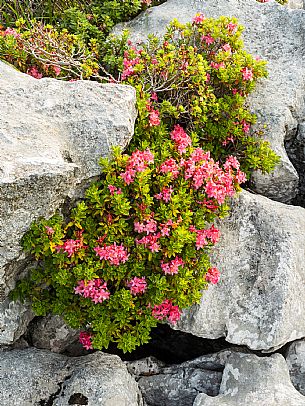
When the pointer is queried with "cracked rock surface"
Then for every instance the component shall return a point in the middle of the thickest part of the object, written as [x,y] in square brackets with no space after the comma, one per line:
[260,299]
[295,359]
[52,134]
[276,34]
[33,377]
[251,380]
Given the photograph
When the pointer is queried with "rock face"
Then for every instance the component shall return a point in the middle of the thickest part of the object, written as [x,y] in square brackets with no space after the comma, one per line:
[276,34]
[250,380]
[260,300]
[295,359]
[178,385]
[52,134]
[295,4]
[34,377]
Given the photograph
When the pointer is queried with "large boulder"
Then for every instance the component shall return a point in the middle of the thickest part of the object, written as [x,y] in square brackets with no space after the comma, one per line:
[295,359]
[52,134]
[251,380]
[274,33]
[260,299]
[34,377]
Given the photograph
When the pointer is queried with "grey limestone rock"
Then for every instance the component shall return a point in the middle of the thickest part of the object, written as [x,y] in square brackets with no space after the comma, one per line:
[295,4]
[52,134]
[295,359]
[52,333]
[260,299]
[274,33]
[251,380]
[34,377]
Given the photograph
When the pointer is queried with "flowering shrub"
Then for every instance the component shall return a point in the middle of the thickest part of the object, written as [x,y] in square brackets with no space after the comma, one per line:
[135,251]
[199,76]
[43,51]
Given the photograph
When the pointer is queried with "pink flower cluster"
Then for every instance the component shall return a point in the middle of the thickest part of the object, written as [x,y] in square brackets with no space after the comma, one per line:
[182,140]
[215,65]
[213,276]
[170,166]
[247,73]
[165,228]
[204,172]
[166,309]
[34,72]
[150,241]
[50,231]
[171,268]
[70,247]
[212,234]
[231,28]
[137,285]
[95,289]
[147,226]
[114,189]
[115,254]
[137,162]
[207,39]
[154,118]
[10,31]
[227,48]
[85,340]
[129,66]
[165,194]
[199,17]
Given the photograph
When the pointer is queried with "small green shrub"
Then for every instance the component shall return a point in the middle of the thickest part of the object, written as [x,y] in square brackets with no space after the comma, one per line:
[135,251]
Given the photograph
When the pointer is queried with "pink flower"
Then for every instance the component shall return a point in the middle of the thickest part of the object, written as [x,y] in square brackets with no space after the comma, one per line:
[231,27]
[241,177]
[182,140]
[215,65]
[213,234]
[128,176]
[95,289]
[154,61]
[247,73]
[11,31]
[148,226]
[114,189]
[231,162]
[150,241]
[34,72]
[170,166]
[227,48]
[50,231]
[165,194]
[199,17]
[70,247]
[207,39]
[166,309]
[246,126]
[137,285]
[115,254]
[171,268]
[154,118]
[154,96]
[213,276]
[85,339]
[56,69]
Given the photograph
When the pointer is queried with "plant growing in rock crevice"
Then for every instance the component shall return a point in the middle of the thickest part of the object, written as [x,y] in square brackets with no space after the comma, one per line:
[135,251]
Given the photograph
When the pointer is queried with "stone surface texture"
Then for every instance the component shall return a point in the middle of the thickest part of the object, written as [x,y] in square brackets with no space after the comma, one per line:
[251,380]
[295,4]
[260,299]
[34,377]
[276,34]
[178,385]
[52,333]
[52,134]
[295,359]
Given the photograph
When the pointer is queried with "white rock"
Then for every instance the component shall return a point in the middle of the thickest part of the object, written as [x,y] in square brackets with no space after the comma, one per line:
[295,359]
[254,381]
[260,299]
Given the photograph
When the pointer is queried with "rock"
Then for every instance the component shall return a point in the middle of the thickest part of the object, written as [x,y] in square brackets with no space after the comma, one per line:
[52,134]
[295,4]
[52,333]
[251,380]
[295,359]
[277,35]
[34,377]
[260,299]
[178,385]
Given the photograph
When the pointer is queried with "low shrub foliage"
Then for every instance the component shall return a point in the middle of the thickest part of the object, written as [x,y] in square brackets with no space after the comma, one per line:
[135,251]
